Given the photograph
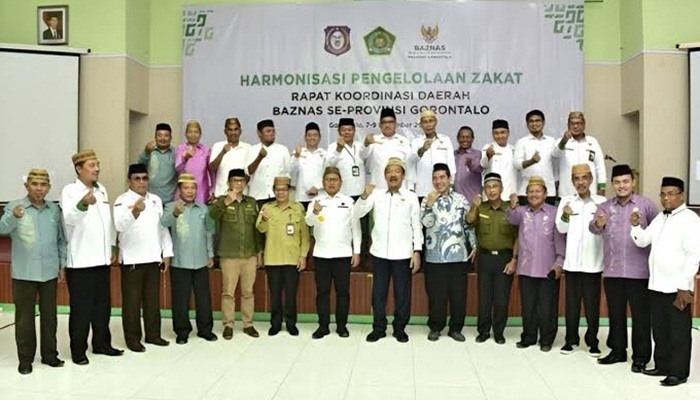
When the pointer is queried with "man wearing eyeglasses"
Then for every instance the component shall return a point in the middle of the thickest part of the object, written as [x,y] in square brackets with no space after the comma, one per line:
[673,262]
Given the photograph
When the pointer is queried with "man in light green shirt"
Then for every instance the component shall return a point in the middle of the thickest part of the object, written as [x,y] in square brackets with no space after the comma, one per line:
[286,247]
[159,157]
[38,259]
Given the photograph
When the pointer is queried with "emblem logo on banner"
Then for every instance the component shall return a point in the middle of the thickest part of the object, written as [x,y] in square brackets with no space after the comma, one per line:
[337,40]
[379,42]
[429,33]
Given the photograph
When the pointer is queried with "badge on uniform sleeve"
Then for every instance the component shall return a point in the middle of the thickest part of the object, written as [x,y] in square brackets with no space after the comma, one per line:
[290,228]
[355,170]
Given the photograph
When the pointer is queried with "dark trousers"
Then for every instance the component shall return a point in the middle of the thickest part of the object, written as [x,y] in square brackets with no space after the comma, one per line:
[283,280]
[384,271]
[540,302]
[140,288]
[619,292]
[672,337]
[445,282]
[494,292]
[89,307]
[183,282]
[551,200]
[582,286]
[24,294]
[338,271]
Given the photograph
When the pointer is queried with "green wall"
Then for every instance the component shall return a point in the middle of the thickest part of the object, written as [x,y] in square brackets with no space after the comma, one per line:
[138,29]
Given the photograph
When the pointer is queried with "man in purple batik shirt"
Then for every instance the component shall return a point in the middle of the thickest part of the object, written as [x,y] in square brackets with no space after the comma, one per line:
[468,180]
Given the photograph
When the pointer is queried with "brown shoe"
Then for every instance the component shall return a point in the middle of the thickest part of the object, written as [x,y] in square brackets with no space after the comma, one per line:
[250,331]
[228,333]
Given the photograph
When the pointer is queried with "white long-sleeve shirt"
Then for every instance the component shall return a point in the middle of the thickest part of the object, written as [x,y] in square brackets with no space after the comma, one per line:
[525,148]
[345,160]
[90,233]
[336,229]
[397,230]
[440,151]
[379,153]
[307,172]
[235,158]
[143,239]
[675,249]
[585,151]
[275,163]
[502,164]
[584,250]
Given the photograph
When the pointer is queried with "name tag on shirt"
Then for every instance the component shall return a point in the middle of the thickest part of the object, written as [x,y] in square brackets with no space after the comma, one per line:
[484,216]
[355,170]
[290,229]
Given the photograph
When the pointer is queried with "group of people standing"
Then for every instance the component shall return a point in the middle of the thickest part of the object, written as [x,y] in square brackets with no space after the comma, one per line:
[428,204]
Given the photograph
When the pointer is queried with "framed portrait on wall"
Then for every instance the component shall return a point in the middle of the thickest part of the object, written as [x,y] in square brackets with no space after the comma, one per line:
[52,24]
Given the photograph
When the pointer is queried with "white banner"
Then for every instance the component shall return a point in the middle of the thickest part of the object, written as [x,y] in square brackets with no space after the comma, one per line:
[472,62]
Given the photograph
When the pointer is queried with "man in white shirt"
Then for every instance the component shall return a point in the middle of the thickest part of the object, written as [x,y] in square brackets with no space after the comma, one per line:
[497,157]
[533,157]
[397,239]
[575,147]
[430,149]
[673,262]
[349,158]
[583,261]
[380,148]
[266,160]
[145,249]
[337,250]
[227,155]
[307,165]
[91,251]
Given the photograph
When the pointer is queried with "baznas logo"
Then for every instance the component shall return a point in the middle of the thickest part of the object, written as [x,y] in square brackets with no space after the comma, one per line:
[429,34]
[379,42]
[337,40]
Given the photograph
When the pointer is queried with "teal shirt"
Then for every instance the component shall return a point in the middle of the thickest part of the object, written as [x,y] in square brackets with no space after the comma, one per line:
[192,233]
[161,172]
[38,241]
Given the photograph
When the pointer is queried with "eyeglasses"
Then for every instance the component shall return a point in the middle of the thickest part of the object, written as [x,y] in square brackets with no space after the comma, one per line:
[140,178]
[669,194]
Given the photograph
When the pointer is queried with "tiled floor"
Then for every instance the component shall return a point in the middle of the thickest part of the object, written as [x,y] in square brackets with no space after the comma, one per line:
[285,367]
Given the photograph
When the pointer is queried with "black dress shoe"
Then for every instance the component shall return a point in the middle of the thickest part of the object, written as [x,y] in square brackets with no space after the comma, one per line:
[612,358]
[53,362]
[456,336]
[545,347]
[638,367]
[483,337]
[273,331]
[433,335]
[523,345]
[670,381]
[293,330]
[136,347]
[109,351]
[181,339]
[82,360]
[654,372]
[158,342]
[25,369]
[320,333]
[400,336]
[342,332]
[250,331]
[375,335]
[500,340]
[209,336]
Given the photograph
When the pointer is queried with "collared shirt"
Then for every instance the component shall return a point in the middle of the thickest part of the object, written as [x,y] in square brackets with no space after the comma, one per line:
[525,148]
[236,222]
[38,243]
[585,151]
[675,249]
[275,163]
[440,151]
[468,181]
[287,234]
[307,172]
[143,239]
[493,231]
[197,165]
[540,245]
[379,153]
[345,160]
[397,230]
[89,230]
[584,250]
[161,173]
[336,230]
[192,233]
[502,164]
[448,238]
[233,159]
[621,257]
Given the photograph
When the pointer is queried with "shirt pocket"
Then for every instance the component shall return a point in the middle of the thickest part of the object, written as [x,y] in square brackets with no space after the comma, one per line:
[230,216]
[250,216]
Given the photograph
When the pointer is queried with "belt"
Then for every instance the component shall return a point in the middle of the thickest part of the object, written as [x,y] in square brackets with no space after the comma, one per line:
[496,252]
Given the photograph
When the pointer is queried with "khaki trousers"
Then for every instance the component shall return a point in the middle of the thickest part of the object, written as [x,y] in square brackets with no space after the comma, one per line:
[233,269]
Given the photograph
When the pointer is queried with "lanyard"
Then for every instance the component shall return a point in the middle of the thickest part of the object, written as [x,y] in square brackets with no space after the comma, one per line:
[352,155]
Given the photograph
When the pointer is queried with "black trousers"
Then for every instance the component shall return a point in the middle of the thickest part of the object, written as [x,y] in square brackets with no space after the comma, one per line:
[140,289]
[283,280]
[443,283]
[582,286]
[494,292]
[672,337]
[620,292]
[89,307]
[540,302]
[384,271]
[336,270]
[183,282]
[24,294]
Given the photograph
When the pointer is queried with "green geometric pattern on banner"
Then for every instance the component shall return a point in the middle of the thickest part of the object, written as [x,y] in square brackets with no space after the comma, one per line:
[195,30]
[568,21]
